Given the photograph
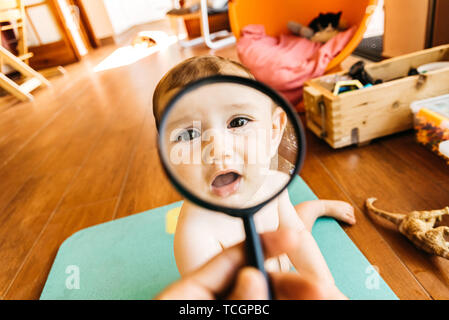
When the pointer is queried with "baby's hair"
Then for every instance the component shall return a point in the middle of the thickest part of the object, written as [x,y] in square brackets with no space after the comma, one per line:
[193,69]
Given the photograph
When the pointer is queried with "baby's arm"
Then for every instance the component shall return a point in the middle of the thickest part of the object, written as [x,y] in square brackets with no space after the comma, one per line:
[307,257]
[194,244]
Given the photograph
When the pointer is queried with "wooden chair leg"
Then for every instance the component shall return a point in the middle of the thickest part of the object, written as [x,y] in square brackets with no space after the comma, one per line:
[14,88]
[22,67]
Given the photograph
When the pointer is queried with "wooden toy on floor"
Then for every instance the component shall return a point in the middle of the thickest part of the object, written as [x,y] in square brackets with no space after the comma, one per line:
[419,228]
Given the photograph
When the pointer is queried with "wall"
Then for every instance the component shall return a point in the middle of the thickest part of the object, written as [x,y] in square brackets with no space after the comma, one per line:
[98,18]
[405,26]
[126,14]
[376,25]
[107,18]
[44,28]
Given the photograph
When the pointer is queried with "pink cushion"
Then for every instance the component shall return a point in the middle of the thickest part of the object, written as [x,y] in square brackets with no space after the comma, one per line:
[285,63]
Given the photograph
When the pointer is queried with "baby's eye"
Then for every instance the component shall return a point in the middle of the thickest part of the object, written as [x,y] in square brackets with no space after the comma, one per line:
[187,135]
[238,122]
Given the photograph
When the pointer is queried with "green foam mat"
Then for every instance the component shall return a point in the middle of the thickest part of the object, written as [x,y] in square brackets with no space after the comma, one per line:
[132,257]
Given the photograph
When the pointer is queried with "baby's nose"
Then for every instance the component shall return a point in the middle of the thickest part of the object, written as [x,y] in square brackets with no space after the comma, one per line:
[220,148]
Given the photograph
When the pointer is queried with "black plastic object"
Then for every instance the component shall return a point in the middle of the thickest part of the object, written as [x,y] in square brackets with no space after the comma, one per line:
[412,72]
[358,72]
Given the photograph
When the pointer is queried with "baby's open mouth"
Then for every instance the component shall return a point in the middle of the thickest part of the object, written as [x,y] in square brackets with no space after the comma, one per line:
[226,183]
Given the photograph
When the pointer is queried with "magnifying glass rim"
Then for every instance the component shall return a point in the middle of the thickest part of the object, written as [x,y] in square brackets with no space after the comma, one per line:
[276,97]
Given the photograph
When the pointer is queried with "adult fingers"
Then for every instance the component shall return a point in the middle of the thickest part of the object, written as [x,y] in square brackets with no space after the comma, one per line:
[279,242]
[217,275]
[291,286]
[250,285]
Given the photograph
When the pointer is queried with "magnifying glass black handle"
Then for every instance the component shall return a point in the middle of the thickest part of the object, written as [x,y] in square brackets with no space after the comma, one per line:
[254,250]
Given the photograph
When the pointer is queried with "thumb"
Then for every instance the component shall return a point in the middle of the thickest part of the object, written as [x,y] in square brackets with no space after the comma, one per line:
[250,285]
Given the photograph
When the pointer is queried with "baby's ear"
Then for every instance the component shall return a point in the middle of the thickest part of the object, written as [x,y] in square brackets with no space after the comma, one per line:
[279,122]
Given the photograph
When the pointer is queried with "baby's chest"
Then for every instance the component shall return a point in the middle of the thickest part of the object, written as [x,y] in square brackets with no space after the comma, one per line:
[231,231]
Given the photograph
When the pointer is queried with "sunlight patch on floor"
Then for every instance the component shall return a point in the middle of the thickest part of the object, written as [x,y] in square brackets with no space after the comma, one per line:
[130,54]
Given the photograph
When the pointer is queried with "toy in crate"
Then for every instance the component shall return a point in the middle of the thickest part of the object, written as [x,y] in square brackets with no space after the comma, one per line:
[359,116]
[431,121]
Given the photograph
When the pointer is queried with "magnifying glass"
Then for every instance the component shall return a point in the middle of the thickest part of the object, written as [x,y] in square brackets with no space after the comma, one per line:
[231,145]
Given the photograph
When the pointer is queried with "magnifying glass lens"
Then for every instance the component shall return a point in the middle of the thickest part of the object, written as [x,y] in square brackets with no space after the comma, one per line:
[229,144]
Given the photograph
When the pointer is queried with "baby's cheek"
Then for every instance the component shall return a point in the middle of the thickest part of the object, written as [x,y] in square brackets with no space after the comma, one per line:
[254,149]
[189,173]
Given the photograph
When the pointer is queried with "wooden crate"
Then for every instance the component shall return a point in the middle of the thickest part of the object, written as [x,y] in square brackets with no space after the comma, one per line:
[357,117]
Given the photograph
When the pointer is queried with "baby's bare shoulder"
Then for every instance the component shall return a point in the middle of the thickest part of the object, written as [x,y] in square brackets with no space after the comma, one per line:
[192,214]
[206,225]
[193,223]
[192,211]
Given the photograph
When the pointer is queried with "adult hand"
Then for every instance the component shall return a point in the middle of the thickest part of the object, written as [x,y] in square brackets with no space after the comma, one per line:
[226,276]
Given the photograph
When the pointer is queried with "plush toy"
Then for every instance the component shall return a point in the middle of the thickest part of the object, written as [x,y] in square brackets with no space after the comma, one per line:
[419,228]
[320,29]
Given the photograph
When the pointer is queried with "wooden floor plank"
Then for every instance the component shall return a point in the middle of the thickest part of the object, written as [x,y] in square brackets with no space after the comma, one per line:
[400,186]
[45,146]
[34,122]
[117,140]
[22,221]
[117,143]
[47,105]
[70,141]
[29,282]
[140,193]
[59,144]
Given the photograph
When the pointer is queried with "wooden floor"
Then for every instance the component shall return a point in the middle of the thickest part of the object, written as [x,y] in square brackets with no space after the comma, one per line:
[84,153]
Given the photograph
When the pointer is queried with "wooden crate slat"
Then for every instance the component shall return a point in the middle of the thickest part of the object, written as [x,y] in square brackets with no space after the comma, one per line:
[380,110]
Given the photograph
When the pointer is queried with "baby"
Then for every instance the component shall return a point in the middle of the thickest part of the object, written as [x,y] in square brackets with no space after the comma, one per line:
[201,233]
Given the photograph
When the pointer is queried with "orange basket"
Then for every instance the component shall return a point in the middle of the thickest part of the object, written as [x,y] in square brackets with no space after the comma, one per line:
[274,15]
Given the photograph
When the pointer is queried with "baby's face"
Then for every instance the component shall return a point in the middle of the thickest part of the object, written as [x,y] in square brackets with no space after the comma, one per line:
[220,141]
